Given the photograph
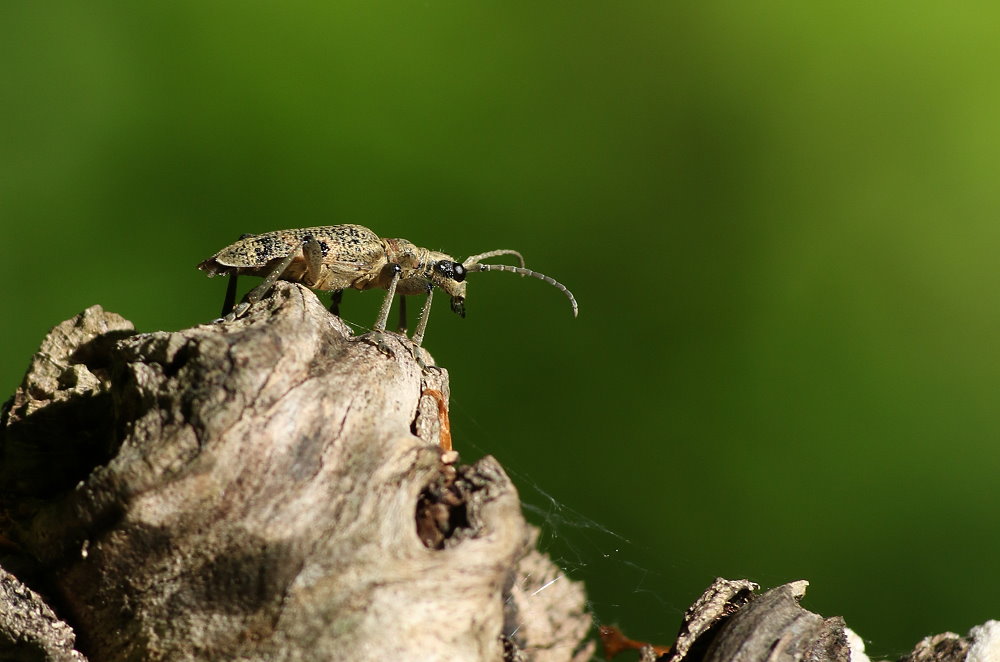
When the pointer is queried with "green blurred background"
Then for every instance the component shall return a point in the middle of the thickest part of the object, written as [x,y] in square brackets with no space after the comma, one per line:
[780,220]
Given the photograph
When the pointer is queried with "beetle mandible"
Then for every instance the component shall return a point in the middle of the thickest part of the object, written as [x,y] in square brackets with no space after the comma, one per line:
[338,257]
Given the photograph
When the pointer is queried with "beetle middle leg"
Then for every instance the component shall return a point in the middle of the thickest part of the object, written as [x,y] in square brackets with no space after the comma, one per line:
[425,312]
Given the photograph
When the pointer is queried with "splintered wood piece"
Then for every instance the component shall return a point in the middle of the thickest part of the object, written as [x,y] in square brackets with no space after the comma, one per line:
[445,423]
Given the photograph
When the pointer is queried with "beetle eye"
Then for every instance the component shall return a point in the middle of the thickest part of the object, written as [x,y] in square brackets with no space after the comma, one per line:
[453,270]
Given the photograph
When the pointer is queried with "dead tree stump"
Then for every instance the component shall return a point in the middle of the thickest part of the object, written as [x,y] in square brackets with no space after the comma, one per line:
[270,489]
[274,489]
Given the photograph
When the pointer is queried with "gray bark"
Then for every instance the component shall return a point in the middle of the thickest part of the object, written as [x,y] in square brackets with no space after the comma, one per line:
[275,489]
[269,489]
[731,622]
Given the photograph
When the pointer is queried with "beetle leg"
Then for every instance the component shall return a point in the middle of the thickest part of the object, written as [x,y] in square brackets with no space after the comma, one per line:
[230,300]
[401,327]
[257,293]
[312,251]
[335,302]
[383,313]
[378,331]
[425,312]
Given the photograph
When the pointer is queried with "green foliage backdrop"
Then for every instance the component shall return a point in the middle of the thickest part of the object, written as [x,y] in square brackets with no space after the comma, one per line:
[780,220]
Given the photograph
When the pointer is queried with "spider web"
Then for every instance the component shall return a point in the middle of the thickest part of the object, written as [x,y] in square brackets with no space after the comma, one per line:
[626,583]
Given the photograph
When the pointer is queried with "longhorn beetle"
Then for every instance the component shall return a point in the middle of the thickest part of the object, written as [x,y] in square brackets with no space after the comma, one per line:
[338,257]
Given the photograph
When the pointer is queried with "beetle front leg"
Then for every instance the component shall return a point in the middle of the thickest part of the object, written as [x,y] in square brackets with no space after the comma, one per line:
[418,334]
[425,313]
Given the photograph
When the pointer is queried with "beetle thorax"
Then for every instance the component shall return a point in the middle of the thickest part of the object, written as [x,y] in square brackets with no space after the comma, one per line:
[423,269]
[403,253]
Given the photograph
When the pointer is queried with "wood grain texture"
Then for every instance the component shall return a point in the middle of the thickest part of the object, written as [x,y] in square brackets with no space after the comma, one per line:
[29,629]
[250,491]
[275,489]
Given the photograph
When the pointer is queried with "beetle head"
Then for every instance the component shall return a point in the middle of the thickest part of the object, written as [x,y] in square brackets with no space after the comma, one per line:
[444,272]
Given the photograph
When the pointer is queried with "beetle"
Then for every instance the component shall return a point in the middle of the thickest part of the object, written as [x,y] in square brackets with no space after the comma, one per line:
[339,257]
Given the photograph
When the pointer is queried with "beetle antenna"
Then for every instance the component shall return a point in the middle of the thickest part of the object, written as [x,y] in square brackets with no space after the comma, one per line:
[528,272]
[473,260]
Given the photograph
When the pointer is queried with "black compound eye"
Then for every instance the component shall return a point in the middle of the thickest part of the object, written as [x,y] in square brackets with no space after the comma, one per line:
[453,270]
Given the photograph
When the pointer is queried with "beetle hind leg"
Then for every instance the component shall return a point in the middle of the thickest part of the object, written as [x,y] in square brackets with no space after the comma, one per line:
[335,300]
[312,251]
[258,293]
[230,301]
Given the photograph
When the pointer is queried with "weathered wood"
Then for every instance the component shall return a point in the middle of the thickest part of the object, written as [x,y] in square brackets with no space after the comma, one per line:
[275,489]
[29,629]
[774,627]
[730,622]
[945,647]
[981,644]
[719,601]
[252,490]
